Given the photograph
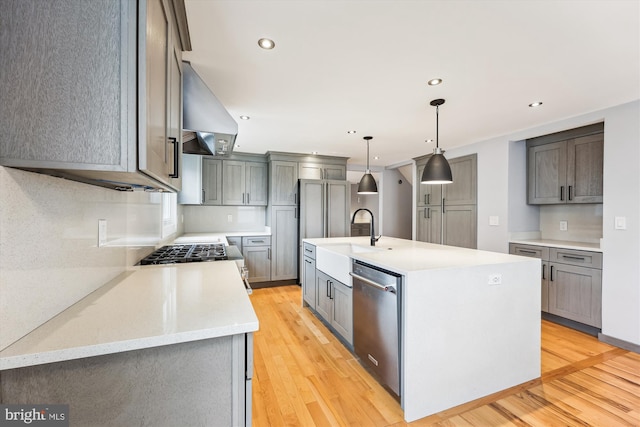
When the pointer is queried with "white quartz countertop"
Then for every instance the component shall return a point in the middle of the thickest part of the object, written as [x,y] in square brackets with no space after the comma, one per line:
[563,244]
[148,306]
[405,256]
[217,236]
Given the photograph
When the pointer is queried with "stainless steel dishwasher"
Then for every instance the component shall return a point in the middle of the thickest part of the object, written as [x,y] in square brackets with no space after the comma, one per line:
[376,322]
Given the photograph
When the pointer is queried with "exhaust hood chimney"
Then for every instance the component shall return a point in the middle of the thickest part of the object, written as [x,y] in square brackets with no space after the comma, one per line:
[208,128]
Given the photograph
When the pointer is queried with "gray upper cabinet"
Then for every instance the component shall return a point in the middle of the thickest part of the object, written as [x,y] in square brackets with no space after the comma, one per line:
[463,189]
[244,183]
[322,171]
[108,100]
[284,183]
[566,167]
[211,181]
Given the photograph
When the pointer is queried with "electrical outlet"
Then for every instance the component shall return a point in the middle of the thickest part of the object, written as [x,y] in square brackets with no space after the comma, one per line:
[564,225]
[229,218]
[495,279]
[102,232]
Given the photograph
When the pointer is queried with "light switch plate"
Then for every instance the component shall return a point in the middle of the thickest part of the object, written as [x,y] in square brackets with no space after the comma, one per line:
[495,279]
[621,223]
[102,232]
[494,220]
[564,225]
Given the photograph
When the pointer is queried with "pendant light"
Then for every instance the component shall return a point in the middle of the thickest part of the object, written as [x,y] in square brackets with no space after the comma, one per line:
[367,183]
[437,169]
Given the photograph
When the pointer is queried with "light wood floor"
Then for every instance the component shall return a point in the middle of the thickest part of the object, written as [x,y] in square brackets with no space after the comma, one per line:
[304,377]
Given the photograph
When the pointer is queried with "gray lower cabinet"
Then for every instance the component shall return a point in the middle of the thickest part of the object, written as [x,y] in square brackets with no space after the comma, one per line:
[571,285]
[284,234]
[198,383]
[257,257]
[459,223]
[111,111]
[235,241]
[244,183]
[334,303]
[309,275]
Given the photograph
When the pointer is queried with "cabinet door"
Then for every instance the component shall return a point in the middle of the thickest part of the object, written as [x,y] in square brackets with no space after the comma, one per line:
[233,182]
[309,281]
[546,173]
[174,110]
[575,293]
[284,229]
[257,260]
[427,194]
[544,282]
[429,224]
[256,193]
[462,191]
[338,203]
[459,225]
[584,169]
[153,147]
[284,183]
[335,172]
[211,181]
[342,316]
[324,304]
[310,171]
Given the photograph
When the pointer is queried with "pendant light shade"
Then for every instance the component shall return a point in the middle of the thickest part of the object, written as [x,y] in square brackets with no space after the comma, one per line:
[367,183]
[437,169]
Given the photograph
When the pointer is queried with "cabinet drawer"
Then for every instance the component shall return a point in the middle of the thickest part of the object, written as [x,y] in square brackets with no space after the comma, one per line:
[256,241]
[576,257]
[533,251]
[309,250]
[235,241]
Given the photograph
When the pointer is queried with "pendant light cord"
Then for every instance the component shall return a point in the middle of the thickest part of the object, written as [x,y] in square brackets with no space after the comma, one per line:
[367,156]
[437,110]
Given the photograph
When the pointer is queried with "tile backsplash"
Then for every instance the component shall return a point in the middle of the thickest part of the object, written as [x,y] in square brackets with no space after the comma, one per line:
[49,257]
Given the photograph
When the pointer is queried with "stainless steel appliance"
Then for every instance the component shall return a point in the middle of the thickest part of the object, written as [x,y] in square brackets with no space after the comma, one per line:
[377,321]
[198,252]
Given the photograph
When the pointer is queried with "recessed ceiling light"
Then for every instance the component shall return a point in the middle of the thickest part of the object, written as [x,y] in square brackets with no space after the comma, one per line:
[535,104]
[351,131]
[434,82]
[244,117]
[428,141]
[314,152]
[266,43]
[376,158]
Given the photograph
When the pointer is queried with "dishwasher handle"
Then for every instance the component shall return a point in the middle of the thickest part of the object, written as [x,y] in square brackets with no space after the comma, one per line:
[386,288]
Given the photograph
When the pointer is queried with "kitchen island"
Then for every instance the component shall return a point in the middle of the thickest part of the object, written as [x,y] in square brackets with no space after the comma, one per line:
[469,322]
[161,345]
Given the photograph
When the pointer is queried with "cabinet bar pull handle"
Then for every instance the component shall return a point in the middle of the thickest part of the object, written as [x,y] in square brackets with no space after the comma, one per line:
[570,192]
[577,258]
[248,198]
[443,205]
[307,250]
[269,253]
[307,261]
[544,271]
[428,211]
[562,192]
[428,198]
[551,277]
[203,194]
[328,295]
[295,212]
[176,156]
[526,251]
[243,198]
[331,290]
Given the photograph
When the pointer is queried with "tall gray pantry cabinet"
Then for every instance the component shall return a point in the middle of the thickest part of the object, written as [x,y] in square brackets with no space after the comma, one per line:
[93,90]
[447,214]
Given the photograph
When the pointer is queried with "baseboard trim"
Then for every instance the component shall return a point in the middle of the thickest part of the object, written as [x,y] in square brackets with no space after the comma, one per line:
[591,330]
[619,343]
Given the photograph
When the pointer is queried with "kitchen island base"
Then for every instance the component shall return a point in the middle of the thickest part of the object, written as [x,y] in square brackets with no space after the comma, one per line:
[194,383]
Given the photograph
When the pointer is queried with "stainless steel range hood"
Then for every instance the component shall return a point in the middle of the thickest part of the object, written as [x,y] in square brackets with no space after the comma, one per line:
[208,128]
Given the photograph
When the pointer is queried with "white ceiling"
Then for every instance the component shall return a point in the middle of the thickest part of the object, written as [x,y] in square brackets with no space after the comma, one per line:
[363,65]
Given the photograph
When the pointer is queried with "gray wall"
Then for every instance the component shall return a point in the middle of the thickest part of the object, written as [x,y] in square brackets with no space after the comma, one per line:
[397,204]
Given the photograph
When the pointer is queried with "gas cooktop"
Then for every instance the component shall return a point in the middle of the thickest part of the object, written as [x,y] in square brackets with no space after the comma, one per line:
[174,254]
